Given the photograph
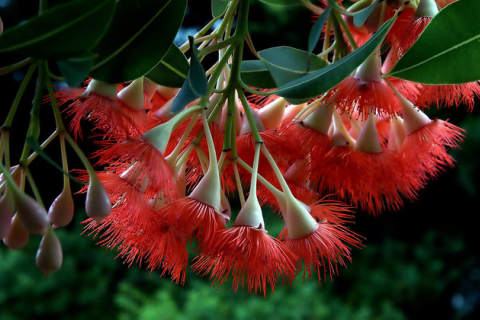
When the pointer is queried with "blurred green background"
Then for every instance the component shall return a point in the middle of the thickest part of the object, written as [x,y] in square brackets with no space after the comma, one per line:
[419,263]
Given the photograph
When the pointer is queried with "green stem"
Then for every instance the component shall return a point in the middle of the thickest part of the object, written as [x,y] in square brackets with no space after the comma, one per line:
[349,35]
[34,127]
[15,66]
[217,46]
[56,110]
[33,186]
[45,143]
[86,163]
[13,109]
[66,180]
[249,114]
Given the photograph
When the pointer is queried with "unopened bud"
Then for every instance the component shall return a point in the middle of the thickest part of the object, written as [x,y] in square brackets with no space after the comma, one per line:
[49,255]
[17,236]
[6,213]
[61,210]
[31,214]
[97,205]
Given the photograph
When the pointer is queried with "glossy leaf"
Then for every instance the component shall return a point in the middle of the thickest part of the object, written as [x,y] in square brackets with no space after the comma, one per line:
[447,52]
[318,82]
[282,2]
[255,74]
[195,85]
[62,31]
[362,15]
[287,64]
[218,7]
[139,36]
[172,70]
[317,28]
[76,69]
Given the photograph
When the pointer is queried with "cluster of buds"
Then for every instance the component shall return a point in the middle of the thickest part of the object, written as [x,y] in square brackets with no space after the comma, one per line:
[168,173]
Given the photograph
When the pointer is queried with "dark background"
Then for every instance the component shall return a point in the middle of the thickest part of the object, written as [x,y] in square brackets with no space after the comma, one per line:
[419,263]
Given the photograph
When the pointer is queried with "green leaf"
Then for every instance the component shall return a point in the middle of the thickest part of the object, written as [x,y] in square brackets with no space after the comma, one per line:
[317,28]
[447,52]
[140,34]
[318,82]
[362,15]
[38,149]
[255,73]
[60,32]
[195,85]
[76,69]
[282,2]
[287,64]
[172,70]
[218,7]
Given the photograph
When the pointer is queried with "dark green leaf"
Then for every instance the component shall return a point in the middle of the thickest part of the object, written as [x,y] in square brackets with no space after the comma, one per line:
[62,31]
[195,85]
[255,74]
[317,28]
[362,15]
[172,70]
[140,34]
[218,7]
[287,64]
[282,2]
[76,69]
[38,149]
[321,81]
[447,52]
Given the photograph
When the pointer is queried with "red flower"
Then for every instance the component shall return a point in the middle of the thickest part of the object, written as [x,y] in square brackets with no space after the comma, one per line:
[250,255]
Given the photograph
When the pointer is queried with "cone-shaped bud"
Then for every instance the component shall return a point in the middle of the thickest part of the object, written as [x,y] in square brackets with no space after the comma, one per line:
[271,115]
[164,111]
[251,214]
[149,87]
[369,70]
[6,213]
[298,220]
[102,89]
[49,254]
[413,118]
[291,111]
[17,236]
[320,119]
[368,140]
[167,93]
[338,137]
[61,210]
[426,8]
[246,125]
[132,95]
[97,205]
[397,134]
[238,120]
[32,215]
[208,190]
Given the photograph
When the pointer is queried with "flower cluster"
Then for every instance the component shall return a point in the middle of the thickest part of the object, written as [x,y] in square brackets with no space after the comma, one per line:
[168,172]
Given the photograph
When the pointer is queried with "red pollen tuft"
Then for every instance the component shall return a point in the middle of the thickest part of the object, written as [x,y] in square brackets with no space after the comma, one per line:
[251,256]
[322,249]
[364,95]
[150,162]
[193,219]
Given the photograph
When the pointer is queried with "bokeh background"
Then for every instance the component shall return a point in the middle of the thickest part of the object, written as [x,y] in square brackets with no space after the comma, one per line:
[422,262]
